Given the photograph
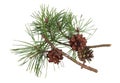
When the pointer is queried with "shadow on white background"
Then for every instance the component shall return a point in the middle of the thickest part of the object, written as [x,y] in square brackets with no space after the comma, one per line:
[14,14]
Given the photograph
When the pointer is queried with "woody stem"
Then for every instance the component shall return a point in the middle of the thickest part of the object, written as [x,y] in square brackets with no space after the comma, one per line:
[82,65]
[93,46]
[63,43]
[101,45]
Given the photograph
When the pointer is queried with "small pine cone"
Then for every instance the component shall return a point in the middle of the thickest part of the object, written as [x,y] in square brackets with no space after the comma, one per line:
[86,54]
[78,42]
[55,55]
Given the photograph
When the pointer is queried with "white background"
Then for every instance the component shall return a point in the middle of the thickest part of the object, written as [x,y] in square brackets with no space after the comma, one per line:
[14,14]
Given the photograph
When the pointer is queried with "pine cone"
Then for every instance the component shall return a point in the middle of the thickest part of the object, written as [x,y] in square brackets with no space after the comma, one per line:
[55,55]
[78,42]
[86,54]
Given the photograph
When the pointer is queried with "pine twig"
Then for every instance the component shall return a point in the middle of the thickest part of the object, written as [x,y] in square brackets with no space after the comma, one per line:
[63,43]
[69,57]
[93,46]
[101,45]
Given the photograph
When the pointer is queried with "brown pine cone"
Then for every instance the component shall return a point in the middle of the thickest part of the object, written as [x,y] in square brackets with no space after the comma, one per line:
[86,54]
[78,42]
[55,55]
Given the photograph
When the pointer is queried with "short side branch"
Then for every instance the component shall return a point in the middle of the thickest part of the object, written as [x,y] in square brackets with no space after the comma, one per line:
[101,45]
[63,43]
[93,46]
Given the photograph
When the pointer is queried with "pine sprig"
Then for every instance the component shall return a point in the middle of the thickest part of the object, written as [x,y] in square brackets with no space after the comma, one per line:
[50,21]
[50,29]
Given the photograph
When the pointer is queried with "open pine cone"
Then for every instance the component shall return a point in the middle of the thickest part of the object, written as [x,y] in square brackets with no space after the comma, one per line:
[86,54]
[78,42]
[55,55]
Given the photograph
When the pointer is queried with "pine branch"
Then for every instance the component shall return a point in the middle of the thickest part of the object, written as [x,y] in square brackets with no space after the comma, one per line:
[66,55]
[53,28]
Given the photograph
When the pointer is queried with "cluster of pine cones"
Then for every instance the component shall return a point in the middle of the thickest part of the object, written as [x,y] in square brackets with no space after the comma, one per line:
[77,43]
